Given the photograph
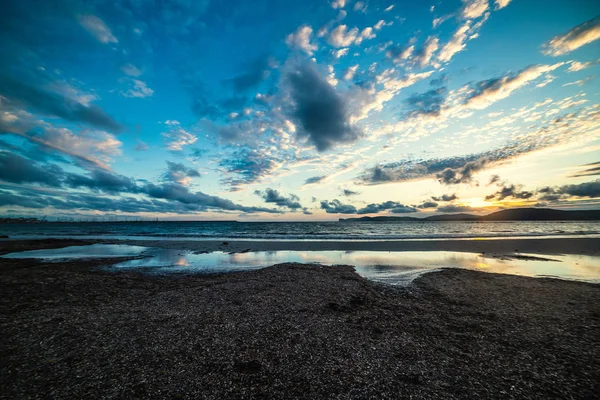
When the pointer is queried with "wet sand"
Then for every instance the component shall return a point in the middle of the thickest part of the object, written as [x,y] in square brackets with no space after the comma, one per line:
[75,330]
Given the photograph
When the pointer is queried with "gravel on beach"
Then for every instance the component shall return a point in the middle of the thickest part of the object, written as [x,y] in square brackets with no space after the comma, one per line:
[77,330]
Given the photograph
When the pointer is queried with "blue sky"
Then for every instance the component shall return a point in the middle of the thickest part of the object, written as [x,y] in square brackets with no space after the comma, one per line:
[279,110]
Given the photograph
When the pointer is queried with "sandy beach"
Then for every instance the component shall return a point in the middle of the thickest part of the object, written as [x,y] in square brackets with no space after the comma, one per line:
[548,246]
[76,330]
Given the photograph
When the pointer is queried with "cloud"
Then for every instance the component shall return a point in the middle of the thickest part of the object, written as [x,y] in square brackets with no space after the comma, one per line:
[248,165]
[301,40]
[427,204]
[338,3]
[594,170]
[102,181]
[180,193]
[177,137]
[463,174]
[348,192]
[17,169]
[138,89]
[400,53]
[131,70]
[483,93]
[393,206]
[577,66]
[474,8]
[452,170]
[456,43]
[427,103]
[256,73]
[87,148]
[342,37]
[587,189]
[177,172]
[97,28]
[350,72]
[22,94]
[314,179]
[577,37]
[425,54]
[507,191]
[273,196]
[319,112]
[336,207]
[141,146]
[445,197]
[499,4]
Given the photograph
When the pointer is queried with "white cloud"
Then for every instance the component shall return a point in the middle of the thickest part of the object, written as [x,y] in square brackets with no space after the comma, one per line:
[301,40]
[438,21]
[497,89]
[360,6]
[456,44]
[501,4]
[350,72]
[425,55]
[366,33]
[138,89]
[578,66]
[390,8]
[340,53]
[473,8]
[131,70]
[338,4]
[97,28]
[579,36]
[177,137]
[342,37]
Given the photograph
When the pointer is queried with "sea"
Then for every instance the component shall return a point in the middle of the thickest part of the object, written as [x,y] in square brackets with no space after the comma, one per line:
[398,268]
[293,231]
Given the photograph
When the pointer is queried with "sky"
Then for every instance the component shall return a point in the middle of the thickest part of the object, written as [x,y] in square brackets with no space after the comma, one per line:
[282,110]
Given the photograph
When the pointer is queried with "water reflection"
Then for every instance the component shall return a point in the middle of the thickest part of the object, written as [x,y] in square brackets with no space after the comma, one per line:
[391,267]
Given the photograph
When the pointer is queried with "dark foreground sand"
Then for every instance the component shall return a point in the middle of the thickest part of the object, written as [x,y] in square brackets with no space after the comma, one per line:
[74,330]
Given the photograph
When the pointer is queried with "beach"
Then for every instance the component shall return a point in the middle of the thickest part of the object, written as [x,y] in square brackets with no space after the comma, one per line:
[76,330]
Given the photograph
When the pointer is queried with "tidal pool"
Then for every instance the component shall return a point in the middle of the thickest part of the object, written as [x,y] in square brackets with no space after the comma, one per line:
[397,268]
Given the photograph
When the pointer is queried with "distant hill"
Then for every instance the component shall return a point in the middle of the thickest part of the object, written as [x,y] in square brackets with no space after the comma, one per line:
[514,214]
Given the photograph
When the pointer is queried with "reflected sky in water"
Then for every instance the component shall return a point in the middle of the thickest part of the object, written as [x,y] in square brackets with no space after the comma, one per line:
[390,267]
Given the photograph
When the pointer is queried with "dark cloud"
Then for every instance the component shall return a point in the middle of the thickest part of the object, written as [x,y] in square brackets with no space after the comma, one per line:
[587,189]
[594,170]
[428,204]
[463,174]
[445,197]
[348,192]
[249,165]
[314,179]
[257,72]
[17,169]
[392,206]
[440,81]
[102,181]
[452,208]
[197,153]
[336,207]
[180,193]
[427,103]
[141,146]
[32,96]
[273,196]
[510,191]
[319,112]
[177,172]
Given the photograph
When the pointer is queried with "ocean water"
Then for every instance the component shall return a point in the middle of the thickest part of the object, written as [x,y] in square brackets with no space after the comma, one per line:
[304,230]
